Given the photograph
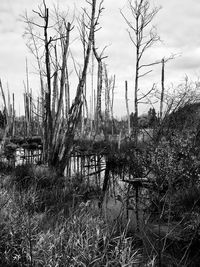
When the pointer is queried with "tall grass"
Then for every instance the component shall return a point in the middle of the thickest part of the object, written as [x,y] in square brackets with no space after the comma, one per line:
[30,236]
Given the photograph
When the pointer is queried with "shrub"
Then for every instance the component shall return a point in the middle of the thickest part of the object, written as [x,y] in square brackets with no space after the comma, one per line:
[23,177]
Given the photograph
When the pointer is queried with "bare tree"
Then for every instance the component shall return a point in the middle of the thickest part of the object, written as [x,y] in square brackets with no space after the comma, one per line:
[99,59]
[59,131]
[75,110]
[43,38]
[99,89]
[83,37]
[143,36]
[109,84]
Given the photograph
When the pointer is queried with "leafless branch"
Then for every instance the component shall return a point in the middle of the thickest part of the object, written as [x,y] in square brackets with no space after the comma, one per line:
[145,95]
[144,74]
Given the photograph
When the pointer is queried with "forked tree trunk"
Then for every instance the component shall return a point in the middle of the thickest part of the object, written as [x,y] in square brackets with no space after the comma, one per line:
[65,145]
[58,122]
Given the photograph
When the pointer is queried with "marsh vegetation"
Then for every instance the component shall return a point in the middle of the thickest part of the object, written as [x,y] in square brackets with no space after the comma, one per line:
[79,187]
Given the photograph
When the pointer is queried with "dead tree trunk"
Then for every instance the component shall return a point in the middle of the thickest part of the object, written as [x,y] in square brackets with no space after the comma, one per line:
[127,108]
[112,104]
[99,59]
[98,114]
[13,115]
[75,110]
[48,118]
[107,102]
[2,143]
[57,127]
[99,92]
[162,88]
[106,178]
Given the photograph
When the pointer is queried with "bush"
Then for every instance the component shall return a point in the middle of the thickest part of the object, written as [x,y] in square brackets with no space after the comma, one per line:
[23,177]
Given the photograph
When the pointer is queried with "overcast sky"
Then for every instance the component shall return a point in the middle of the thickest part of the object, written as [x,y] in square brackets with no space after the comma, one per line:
[177,23]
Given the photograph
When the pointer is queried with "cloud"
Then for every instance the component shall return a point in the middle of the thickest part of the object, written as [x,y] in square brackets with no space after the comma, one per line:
[177,23]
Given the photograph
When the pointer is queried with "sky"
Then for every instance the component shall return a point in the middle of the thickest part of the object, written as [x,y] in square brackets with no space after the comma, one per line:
[177,24]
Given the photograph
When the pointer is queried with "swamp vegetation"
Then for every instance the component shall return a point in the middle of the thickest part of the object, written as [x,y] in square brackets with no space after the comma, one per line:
[81,188]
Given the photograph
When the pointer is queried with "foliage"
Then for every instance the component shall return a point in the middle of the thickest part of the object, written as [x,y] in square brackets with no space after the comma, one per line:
[174,167]
[185,117]
[46,221]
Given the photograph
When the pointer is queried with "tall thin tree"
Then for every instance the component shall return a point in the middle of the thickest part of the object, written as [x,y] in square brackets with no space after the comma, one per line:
[143,36]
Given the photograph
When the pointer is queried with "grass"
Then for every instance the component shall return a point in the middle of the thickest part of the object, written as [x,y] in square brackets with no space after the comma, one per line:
[50,236]
[46,220]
